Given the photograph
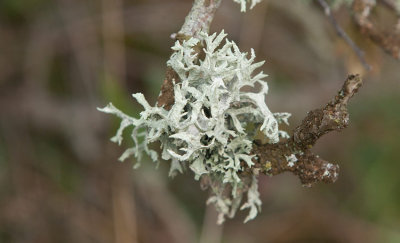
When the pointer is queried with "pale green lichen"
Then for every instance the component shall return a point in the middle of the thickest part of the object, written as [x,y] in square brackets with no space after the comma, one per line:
[243,4]
[291,160]
[206,128]
[253,200]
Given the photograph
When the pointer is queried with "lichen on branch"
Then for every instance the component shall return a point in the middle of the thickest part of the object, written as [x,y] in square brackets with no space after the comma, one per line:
[206,128]
[207,123]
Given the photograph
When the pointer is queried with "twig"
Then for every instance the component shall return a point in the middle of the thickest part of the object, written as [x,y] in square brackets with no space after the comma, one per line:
[294,155]
[342,34]
[199,19]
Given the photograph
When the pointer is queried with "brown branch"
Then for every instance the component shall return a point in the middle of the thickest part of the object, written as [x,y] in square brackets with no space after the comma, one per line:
[341,33]
[198,20]
[294,155]
[389,42]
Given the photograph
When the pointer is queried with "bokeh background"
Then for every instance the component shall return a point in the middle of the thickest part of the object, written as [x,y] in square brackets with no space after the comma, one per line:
[60,180]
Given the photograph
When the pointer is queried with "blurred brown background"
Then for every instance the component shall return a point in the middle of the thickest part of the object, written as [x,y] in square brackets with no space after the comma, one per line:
[60,180]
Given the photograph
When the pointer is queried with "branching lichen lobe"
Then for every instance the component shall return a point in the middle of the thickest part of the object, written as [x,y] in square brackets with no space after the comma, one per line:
[204,128]
[198,20]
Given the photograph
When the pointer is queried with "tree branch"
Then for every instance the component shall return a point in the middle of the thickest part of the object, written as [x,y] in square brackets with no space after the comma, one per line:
[294,155]
[198,20]
[200,17]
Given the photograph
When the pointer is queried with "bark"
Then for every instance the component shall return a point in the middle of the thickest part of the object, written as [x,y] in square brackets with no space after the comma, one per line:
[293,155]
[198,20]
[274,159]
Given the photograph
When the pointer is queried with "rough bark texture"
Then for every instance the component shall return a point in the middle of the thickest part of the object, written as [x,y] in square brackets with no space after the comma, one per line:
[274,159]
[200,17]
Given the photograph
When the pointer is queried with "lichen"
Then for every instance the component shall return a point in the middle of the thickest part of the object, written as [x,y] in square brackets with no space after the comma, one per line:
[206,128]
[292,159]
[243,4]
[326,171]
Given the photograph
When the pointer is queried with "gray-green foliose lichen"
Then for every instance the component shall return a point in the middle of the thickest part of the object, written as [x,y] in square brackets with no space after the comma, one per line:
[205,130]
